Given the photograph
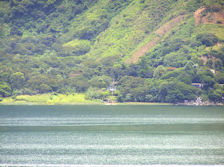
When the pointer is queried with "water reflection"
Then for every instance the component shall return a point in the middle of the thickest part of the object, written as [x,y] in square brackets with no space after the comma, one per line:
[123,135]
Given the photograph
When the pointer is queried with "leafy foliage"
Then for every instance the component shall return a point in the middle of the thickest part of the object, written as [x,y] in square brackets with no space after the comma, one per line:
[5,89]
[61,46]
[207,39]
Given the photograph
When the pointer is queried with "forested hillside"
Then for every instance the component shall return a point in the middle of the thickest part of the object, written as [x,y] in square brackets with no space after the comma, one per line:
[151,50]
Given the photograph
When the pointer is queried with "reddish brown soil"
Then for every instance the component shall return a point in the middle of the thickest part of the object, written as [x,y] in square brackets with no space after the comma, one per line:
[161,31]
[197,15]
[169,25]
[204,58]
[210,17]
[143,50]
[74,75]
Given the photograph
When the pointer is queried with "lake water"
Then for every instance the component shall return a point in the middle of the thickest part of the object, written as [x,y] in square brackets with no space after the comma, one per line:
[111,135]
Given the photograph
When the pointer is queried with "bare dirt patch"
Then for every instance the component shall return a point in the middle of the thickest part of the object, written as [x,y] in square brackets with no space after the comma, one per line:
[210,17]
[169,25]
[142,51]
[197,15]
[161,31]
[205,59]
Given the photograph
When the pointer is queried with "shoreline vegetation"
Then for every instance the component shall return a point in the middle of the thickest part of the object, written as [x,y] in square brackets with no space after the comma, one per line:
[48,99]
[61,99]
[75,99]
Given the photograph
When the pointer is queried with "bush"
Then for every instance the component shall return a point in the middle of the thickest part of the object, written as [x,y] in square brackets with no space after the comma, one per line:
[209,63]
[17,80]
[44,88]
[159,71]
[27,91]
[77,47]
[100,81]
[15,31]
[5,89]
[220,78]
[133,89]
[175,91]
[193,5]
[218,64]
[215,95]
[80,83]
[93,93]
[207,39]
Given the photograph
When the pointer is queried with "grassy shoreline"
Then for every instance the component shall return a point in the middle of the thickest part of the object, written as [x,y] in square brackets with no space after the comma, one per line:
[62,99]
[48,99]
[71,99]
[109,104]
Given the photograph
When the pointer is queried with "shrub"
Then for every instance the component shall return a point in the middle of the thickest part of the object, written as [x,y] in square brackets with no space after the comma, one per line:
[100,81]
[218,64]
[44,88]
[207,39]
[93,93]
[215,95]
[77,47]
[220,78]
[15,31]
[5,89]
[193,5]
[17,80]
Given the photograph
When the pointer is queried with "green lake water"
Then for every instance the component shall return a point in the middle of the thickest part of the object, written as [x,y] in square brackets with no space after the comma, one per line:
[111,135]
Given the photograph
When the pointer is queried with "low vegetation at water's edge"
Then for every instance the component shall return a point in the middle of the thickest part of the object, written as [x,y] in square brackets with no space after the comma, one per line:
[49,99]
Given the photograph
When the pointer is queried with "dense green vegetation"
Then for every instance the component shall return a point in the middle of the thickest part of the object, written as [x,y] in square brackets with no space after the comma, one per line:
[82,46]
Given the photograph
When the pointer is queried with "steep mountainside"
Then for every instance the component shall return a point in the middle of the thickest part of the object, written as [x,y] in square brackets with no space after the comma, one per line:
[153,49]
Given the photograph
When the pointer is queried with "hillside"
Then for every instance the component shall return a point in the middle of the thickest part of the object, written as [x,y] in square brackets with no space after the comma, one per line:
[153,49]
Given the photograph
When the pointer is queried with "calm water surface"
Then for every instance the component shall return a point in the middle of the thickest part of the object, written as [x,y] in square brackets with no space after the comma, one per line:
[111,135]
